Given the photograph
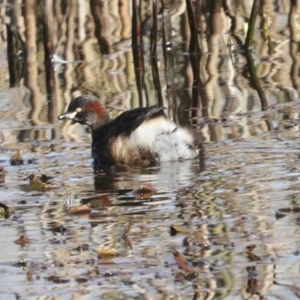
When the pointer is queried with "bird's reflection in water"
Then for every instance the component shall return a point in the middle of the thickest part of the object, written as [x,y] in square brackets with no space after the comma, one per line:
[129,187]
[168,177]
[116,185]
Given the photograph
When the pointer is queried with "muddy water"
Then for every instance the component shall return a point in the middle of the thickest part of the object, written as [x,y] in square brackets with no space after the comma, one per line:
[230,228]
[223,228]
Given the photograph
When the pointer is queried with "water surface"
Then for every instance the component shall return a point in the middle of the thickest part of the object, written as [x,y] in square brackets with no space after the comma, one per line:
[225,228]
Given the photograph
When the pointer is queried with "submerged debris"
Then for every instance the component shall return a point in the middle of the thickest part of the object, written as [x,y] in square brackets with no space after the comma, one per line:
[56,279]
[29,276]
[83,210]
[125,237]
[2,175]
[16,159]
[22,240]
[6,211]
[34,185]
[144,191]
[44,178]
[106,252]
[174,229]
[282,212]
[59,229]
[80,248]
[182,262]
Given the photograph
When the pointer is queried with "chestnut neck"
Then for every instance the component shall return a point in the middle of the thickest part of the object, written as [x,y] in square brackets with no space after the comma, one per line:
[99,116]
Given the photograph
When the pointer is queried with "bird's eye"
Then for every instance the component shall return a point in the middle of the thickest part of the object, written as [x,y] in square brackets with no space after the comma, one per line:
[79,112]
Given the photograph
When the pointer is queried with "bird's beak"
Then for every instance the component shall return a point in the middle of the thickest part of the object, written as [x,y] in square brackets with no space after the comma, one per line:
[67,115]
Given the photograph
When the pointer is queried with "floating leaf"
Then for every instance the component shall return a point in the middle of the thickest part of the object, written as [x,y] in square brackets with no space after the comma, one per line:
[22,240]
[85,247]
[144,191]
[81,280]
[106,252]
[57,279]
[34,185]
[29,276]
[16,159]
[83,210]
[177,229]
[6,212]
[182,262]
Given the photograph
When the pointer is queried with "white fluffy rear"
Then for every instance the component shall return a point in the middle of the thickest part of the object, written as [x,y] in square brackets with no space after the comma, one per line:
[160,137]
[163,137]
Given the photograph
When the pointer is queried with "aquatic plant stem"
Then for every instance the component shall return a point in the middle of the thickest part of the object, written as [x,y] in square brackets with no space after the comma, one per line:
[251,67]
[251,27]
[153,47]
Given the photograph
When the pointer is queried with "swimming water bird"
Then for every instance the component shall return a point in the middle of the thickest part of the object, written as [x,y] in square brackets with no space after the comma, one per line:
[141,136]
